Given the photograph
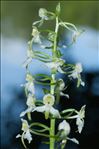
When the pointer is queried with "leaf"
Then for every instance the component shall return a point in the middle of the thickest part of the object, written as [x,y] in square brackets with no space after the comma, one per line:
[58,9]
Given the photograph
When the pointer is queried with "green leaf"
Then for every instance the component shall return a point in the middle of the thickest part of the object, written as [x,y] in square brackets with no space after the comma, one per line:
[58,9]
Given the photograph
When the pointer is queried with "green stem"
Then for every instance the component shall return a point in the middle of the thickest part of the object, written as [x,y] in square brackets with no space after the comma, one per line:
[52,133]
[52,121]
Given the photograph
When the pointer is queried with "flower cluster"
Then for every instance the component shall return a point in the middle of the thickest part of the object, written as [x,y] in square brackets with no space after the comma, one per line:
[48,105]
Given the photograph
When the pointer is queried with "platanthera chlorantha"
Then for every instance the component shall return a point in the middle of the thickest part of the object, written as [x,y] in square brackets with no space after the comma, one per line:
[58,138]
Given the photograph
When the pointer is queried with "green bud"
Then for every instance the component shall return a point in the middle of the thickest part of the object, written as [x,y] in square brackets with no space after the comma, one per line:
[58,9]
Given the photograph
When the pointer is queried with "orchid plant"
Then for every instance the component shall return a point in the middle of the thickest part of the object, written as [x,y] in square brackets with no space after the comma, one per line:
[56,64]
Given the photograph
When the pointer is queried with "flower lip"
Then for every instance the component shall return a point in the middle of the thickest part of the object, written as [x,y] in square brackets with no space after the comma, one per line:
[48,99]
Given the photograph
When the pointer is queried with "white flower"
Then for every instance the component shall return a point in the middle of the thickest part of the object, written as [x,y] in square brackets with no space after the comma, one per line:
[56,65]
[76,74]
[30,103]
[43,14]
[26,131]
[76,71]
[30,55]
[47,108]
[29,86]
[65,127]
[80,119]
[30,92]
[36,35]
[61,87]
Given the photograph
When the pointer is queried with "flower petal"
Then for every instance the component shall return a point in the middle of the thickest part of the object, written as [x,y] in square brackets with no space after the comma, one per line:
[18,136]
[66,95]
[28,136]
[80,124]
[64,125]
[60,70]
[73,140]
[40,109]
[30,109]
[54,112]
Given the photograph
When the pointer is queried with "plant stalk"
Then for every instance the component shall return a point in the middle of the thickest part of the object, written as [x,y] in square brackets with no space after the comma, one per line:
[53,74]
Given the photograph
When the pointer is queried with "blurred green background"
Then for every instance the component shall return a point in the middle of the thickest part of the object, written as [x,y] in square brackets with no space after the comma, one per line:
[17,16]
